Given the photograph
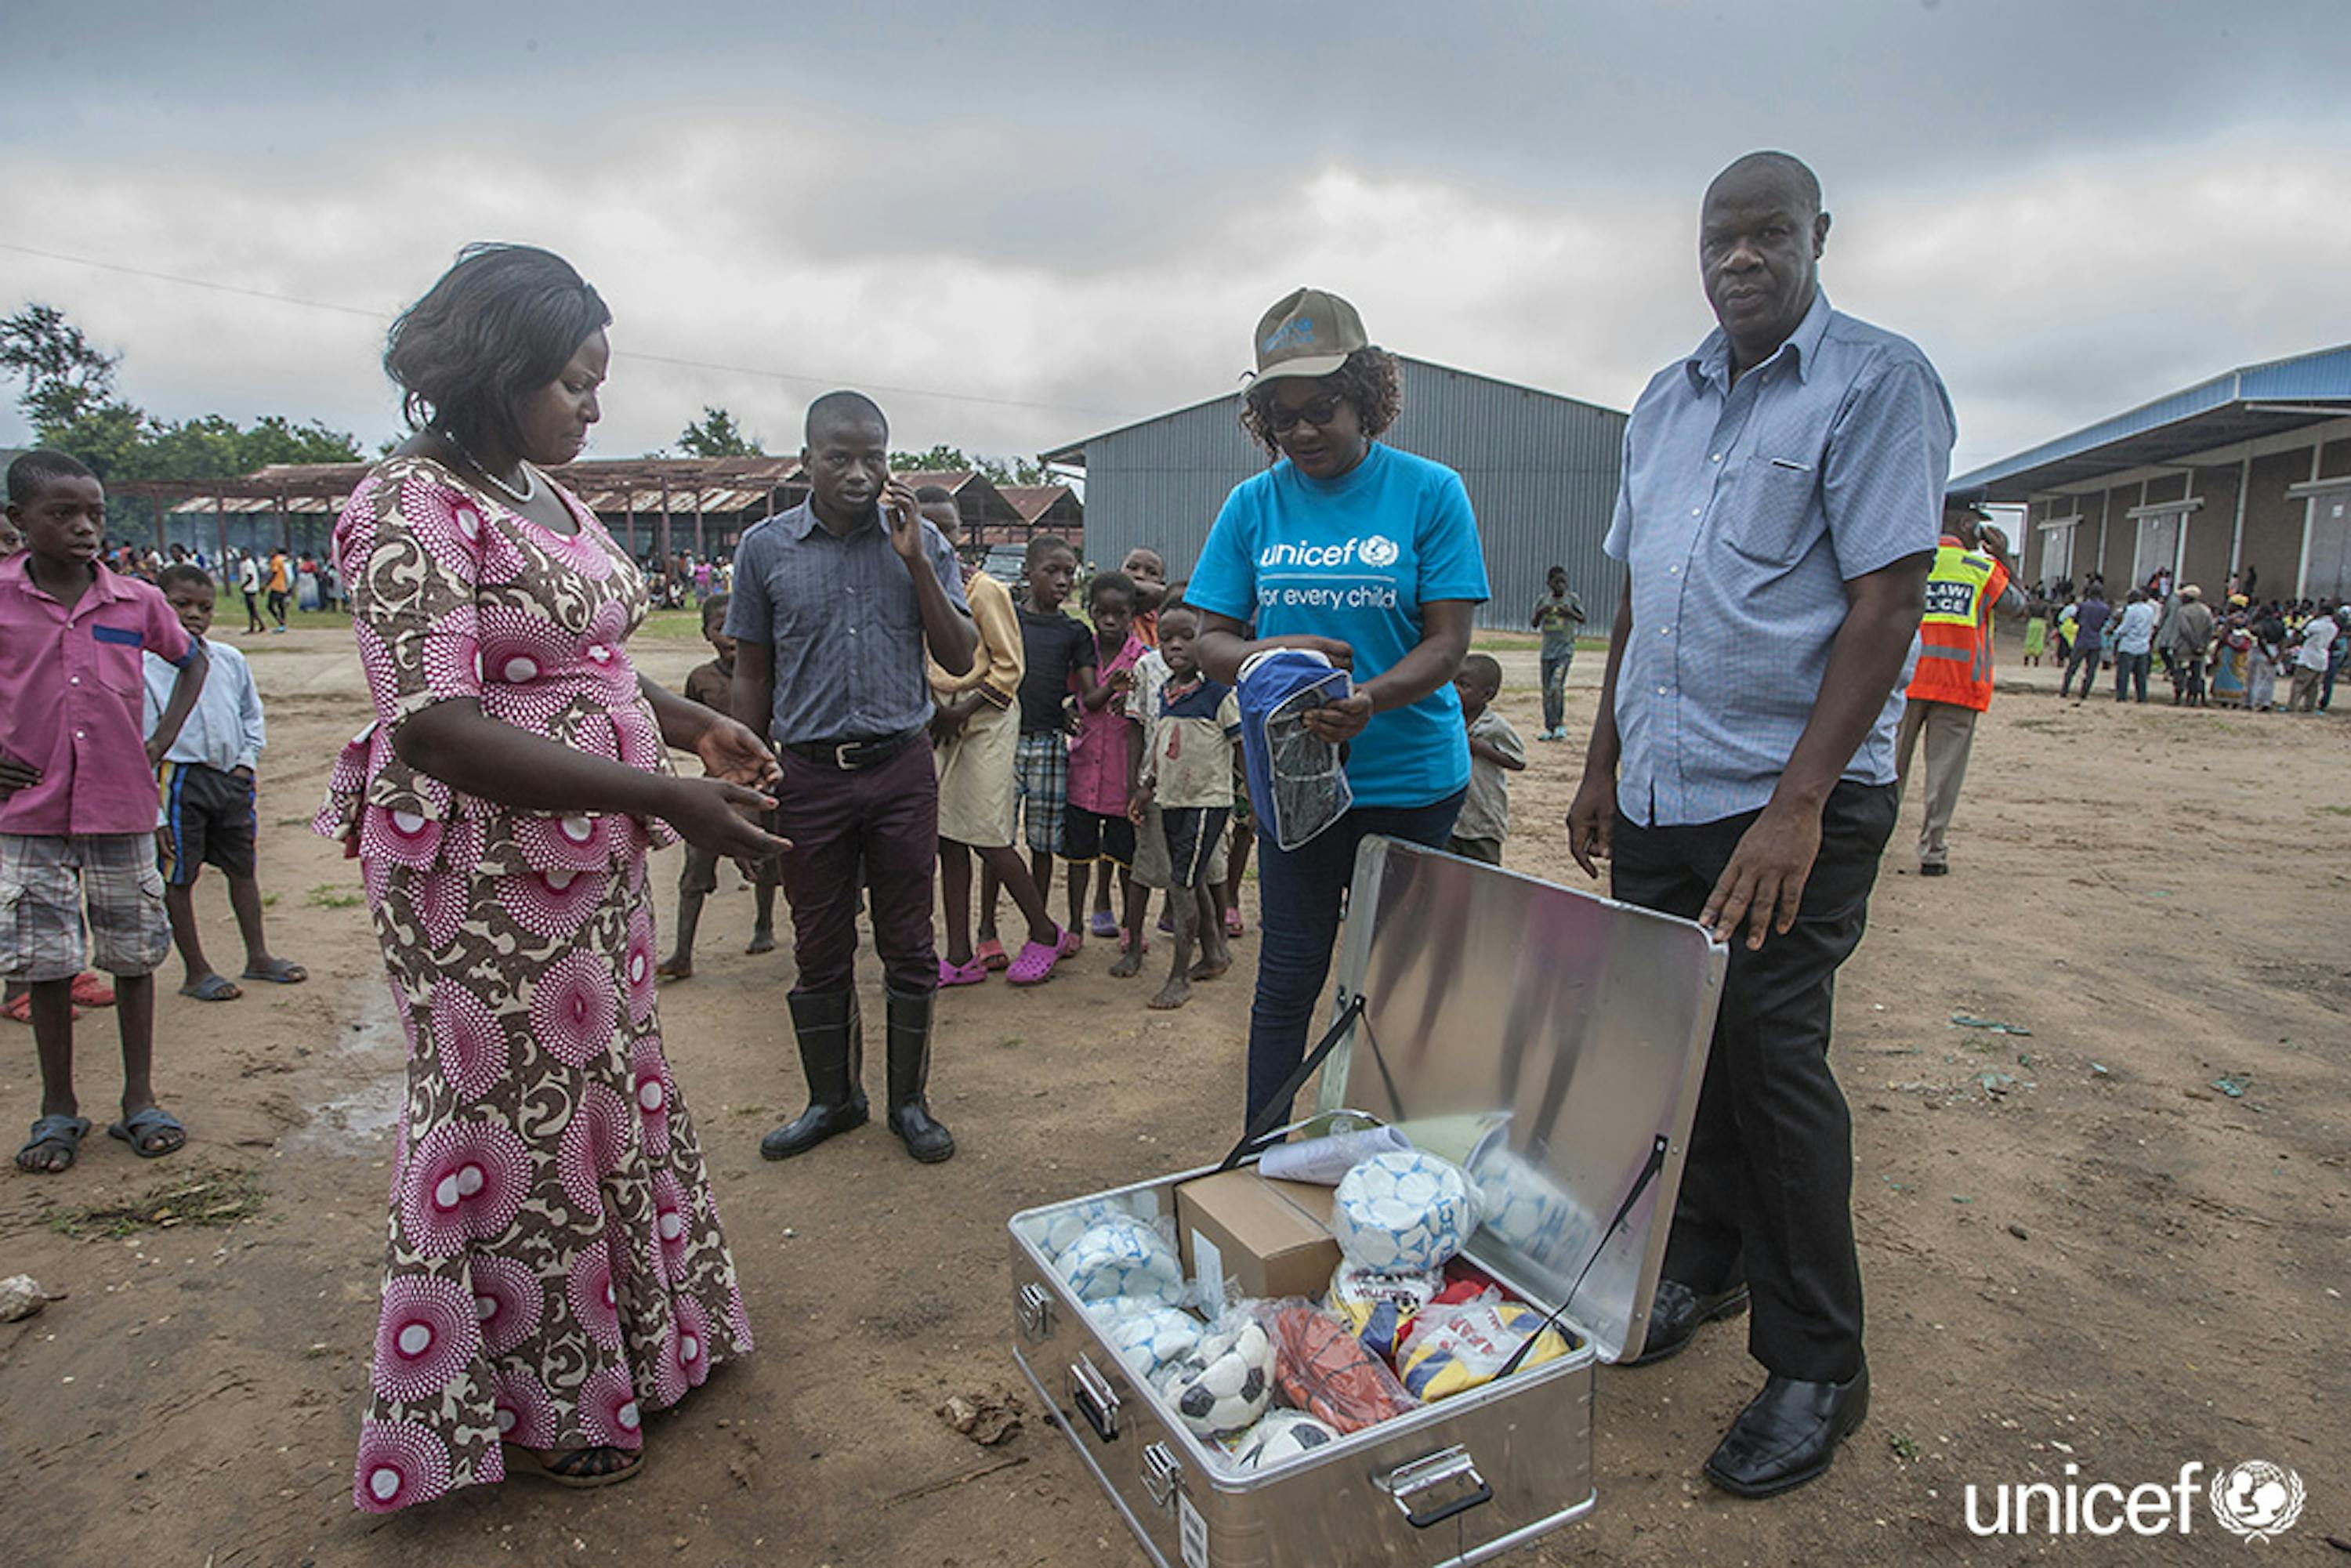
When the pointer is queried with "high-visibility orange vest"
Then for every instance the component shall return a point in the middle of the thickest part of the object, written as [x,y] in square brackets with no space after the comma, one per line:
[1955,633]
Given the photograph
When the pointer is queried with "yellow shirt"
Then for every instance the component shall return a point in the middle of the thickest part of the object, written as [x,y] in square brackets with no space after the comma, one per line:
[998,661]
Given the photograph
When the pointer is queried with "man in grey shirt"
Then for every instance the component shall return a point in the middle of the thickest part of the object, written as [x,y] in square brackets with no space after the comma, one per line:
[834,603]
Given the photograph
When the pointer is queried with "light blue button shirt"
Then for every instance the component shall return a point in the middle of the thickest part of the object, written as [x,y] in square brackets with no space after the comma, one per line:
[1744,512]
[2135,634]
[225,729]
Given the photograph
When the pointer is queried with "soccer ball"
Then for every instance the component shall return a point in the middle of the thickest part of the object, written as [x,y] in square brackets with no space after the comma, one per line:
[1283,1435]
[1402,1213]
[1123,1257]
[1059,1230]
[1528,1212]
[1224,1384]
[1153,1339]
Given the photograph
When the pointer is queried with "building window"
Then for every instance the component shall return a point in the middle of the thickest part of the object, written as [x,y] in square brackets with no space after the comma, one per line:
[2158,545]
[2057,549]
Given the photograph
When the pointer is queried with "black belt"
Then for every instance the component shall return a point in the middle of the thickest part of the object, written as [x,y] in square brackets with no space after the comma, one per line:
[854,753]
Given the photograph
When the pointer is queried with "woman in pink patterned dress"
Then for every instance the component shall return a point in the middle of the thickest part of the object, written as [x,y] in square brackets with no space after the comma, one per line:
[556,1268]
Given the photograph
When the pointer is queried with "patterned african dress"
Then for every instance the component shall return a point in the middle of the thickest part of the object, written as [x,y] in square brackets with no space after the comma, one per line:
[556,1268]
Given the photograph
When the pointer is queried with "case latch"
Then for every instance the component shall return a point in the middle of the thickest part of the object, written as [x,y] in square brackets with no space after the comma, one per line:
[1433,1489]
[1159,1472]
[1035,1310]
[1090,1395]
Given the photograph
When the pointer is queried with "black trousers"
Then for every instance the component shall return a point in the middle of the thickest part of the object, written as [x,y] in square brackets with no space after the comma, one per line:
[1767,1186]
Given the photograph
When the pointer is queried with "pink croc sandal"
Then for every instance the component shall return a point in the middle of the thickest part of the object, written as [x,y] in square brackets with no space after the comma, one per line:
[1034,964]
[970,973]
[991,954]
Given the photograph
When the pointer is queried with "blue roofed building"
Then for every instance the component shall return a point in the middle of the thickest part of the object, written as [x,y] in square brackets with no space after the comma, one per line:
[2246,475]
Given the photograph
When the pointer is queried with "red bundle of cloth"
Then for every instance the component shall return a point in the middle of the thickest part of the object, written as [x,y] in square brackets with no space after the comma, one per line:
[1323,1368]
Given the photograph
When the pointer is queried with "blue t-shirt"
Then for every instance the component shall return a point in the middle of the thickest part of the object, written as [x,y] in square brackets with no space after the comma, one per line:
[1356,558]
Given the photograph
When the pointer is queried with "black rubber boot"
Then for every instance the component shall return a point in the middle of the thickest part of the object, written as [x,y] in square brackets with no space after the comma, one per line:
[832,1054]
[910,1066]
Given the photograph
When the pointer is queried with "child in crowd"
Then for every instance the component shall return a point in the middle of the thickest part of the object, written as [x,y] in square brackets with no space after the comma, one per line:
[1103,758]
[1147,569]
[974,742]
[1559,616]
[1494,751]
[1055,650]
[1150,841]
[77,795]
[208,781]
[1183,799]
[713,685]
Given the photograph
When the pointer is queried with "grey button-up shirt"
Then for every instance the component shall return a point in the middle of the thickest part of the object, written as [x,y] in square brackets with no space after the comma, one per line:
[1744,512]
[841,616]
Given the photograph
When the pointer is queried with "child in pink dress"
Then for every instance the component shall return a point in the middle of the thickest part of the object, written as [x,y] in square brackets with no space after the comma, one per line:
[1103,762]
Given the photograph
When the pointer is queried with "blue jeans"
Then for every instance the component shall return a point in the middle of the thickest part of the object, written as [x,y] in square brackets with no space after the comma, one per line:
[2131,669]
[1554,686]
[1298,924]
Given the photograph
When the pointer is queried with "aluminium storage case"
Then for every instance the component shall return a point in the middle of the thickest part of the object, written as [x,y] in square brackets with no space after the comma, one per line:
[1561,1035]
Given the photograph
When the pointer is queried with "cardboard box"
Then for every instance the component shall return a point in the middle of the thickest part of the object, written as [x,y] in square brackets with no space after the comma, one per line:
[1268,1238]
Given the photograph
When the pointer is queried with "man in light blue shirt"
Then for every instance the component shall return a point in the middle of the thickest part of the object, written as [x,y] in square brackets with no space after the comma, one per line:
[207,812]
[2134,645]
[1782,497]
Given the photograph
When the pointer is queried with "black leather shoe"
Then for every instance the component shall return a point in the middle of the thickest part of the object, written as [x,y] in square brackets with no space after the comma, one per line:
[1928,868]
[1678,1312]
[1788,1435]
[832,1054]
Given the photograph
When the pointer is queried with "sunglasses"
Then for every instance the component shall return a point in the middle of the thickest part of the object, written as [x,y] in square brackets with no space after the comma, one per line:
[1320,411]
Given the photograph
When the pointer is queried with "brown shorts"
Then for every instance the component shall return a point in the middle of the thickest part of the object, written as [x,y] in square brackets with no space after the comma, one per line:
[69,903]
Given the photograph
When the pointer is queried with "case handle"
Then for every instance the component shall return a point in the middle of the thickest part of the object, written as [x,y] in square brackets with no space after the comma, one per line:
[1090,1395]
[1035,1310]
[1444,1467]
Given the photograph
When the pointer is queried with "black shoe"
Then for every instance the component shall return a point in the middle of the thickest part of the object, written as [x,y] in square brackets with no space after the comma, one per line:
[832,1054]
[910,1068]
[1788,1435]
[1679,1311]
[1930,869]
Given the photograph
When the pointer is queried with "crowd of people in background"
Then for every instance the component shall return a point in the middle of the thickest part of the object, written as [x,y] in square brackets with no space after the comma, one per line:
[2234,657]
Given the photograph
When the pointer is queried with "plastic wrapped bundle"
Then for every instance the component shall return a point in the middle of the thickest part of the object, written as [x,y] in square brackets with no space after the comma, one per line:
[1323,1369]
[1378,1307]
[1451,1350]
[1296,782]
[1123,1256]
[1281,1435]
[1226,1382]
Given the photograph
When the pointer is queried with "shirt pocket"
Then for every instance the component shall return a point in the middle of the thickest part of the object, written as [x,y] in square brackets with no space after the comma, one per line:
[1774,515]
[120,659]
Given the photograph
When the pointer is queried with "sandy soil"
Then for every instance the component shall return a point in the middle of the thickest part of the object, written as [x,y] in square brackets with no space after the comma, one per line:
[2077,1248]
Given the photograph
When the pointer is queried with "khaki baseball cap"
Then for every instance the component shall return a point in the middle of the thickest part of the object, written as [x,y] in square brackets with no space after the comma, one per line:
[1307,333]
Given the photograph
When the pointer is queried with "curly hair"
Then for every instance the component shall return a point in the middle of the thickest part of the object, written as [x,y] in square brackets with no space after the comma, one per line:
[1371,382]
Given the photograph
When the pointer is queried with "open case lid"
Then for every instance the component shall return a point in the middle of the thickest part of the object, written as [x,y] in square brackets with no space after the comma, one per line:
[1544,1039]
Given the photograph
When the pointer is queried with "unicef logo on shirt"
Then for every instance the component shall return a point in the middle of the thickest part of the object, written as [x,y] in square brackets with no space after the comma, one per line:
[1380,550]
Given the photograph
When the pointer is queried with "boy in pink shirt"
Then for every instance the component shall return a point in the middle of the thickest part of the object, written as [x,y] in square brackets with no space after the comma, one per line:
[77,795]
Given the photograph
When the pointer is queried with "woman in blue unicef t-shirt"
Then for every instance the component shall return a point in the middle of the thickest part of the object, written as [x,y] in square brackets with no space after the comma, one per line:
[1367,555]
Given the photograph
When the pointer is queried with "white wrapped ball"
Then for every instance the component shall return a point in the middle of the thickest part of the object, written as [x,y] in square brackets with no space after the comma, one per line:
[1154,1340]
[1404,1213]
[1123,1257]
[1063,1227]
[1224,1384]
[1281,1434]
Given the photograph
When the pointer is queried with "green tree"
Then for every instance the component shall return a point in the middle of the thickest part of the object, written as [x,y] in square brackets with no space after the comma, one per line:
[941,459]
[70,400]
[1014,470]
[716,434]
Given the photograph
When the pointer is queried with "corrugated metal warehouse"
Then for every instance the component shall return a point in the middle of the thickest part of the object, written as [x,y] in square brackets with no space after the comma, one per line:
[1541,472]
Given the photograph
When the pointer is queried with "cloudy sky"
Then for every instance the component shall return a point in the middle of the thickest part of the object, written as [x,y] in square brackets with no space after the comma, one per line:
[1022,222]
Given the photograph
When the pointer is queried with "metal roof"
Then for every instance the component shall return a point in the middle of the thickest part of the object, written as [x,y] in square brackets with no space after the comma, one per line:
[1074,455]
[2242,404]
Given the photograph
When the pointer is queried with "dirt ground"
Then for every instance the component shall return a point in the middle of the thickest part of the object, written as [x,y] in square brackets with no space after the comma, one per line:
[2078,1250]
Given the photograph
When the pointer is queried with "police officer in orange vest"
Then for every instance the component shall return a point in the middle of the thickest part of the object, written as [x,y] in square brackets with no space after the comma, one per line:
[1970,580]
